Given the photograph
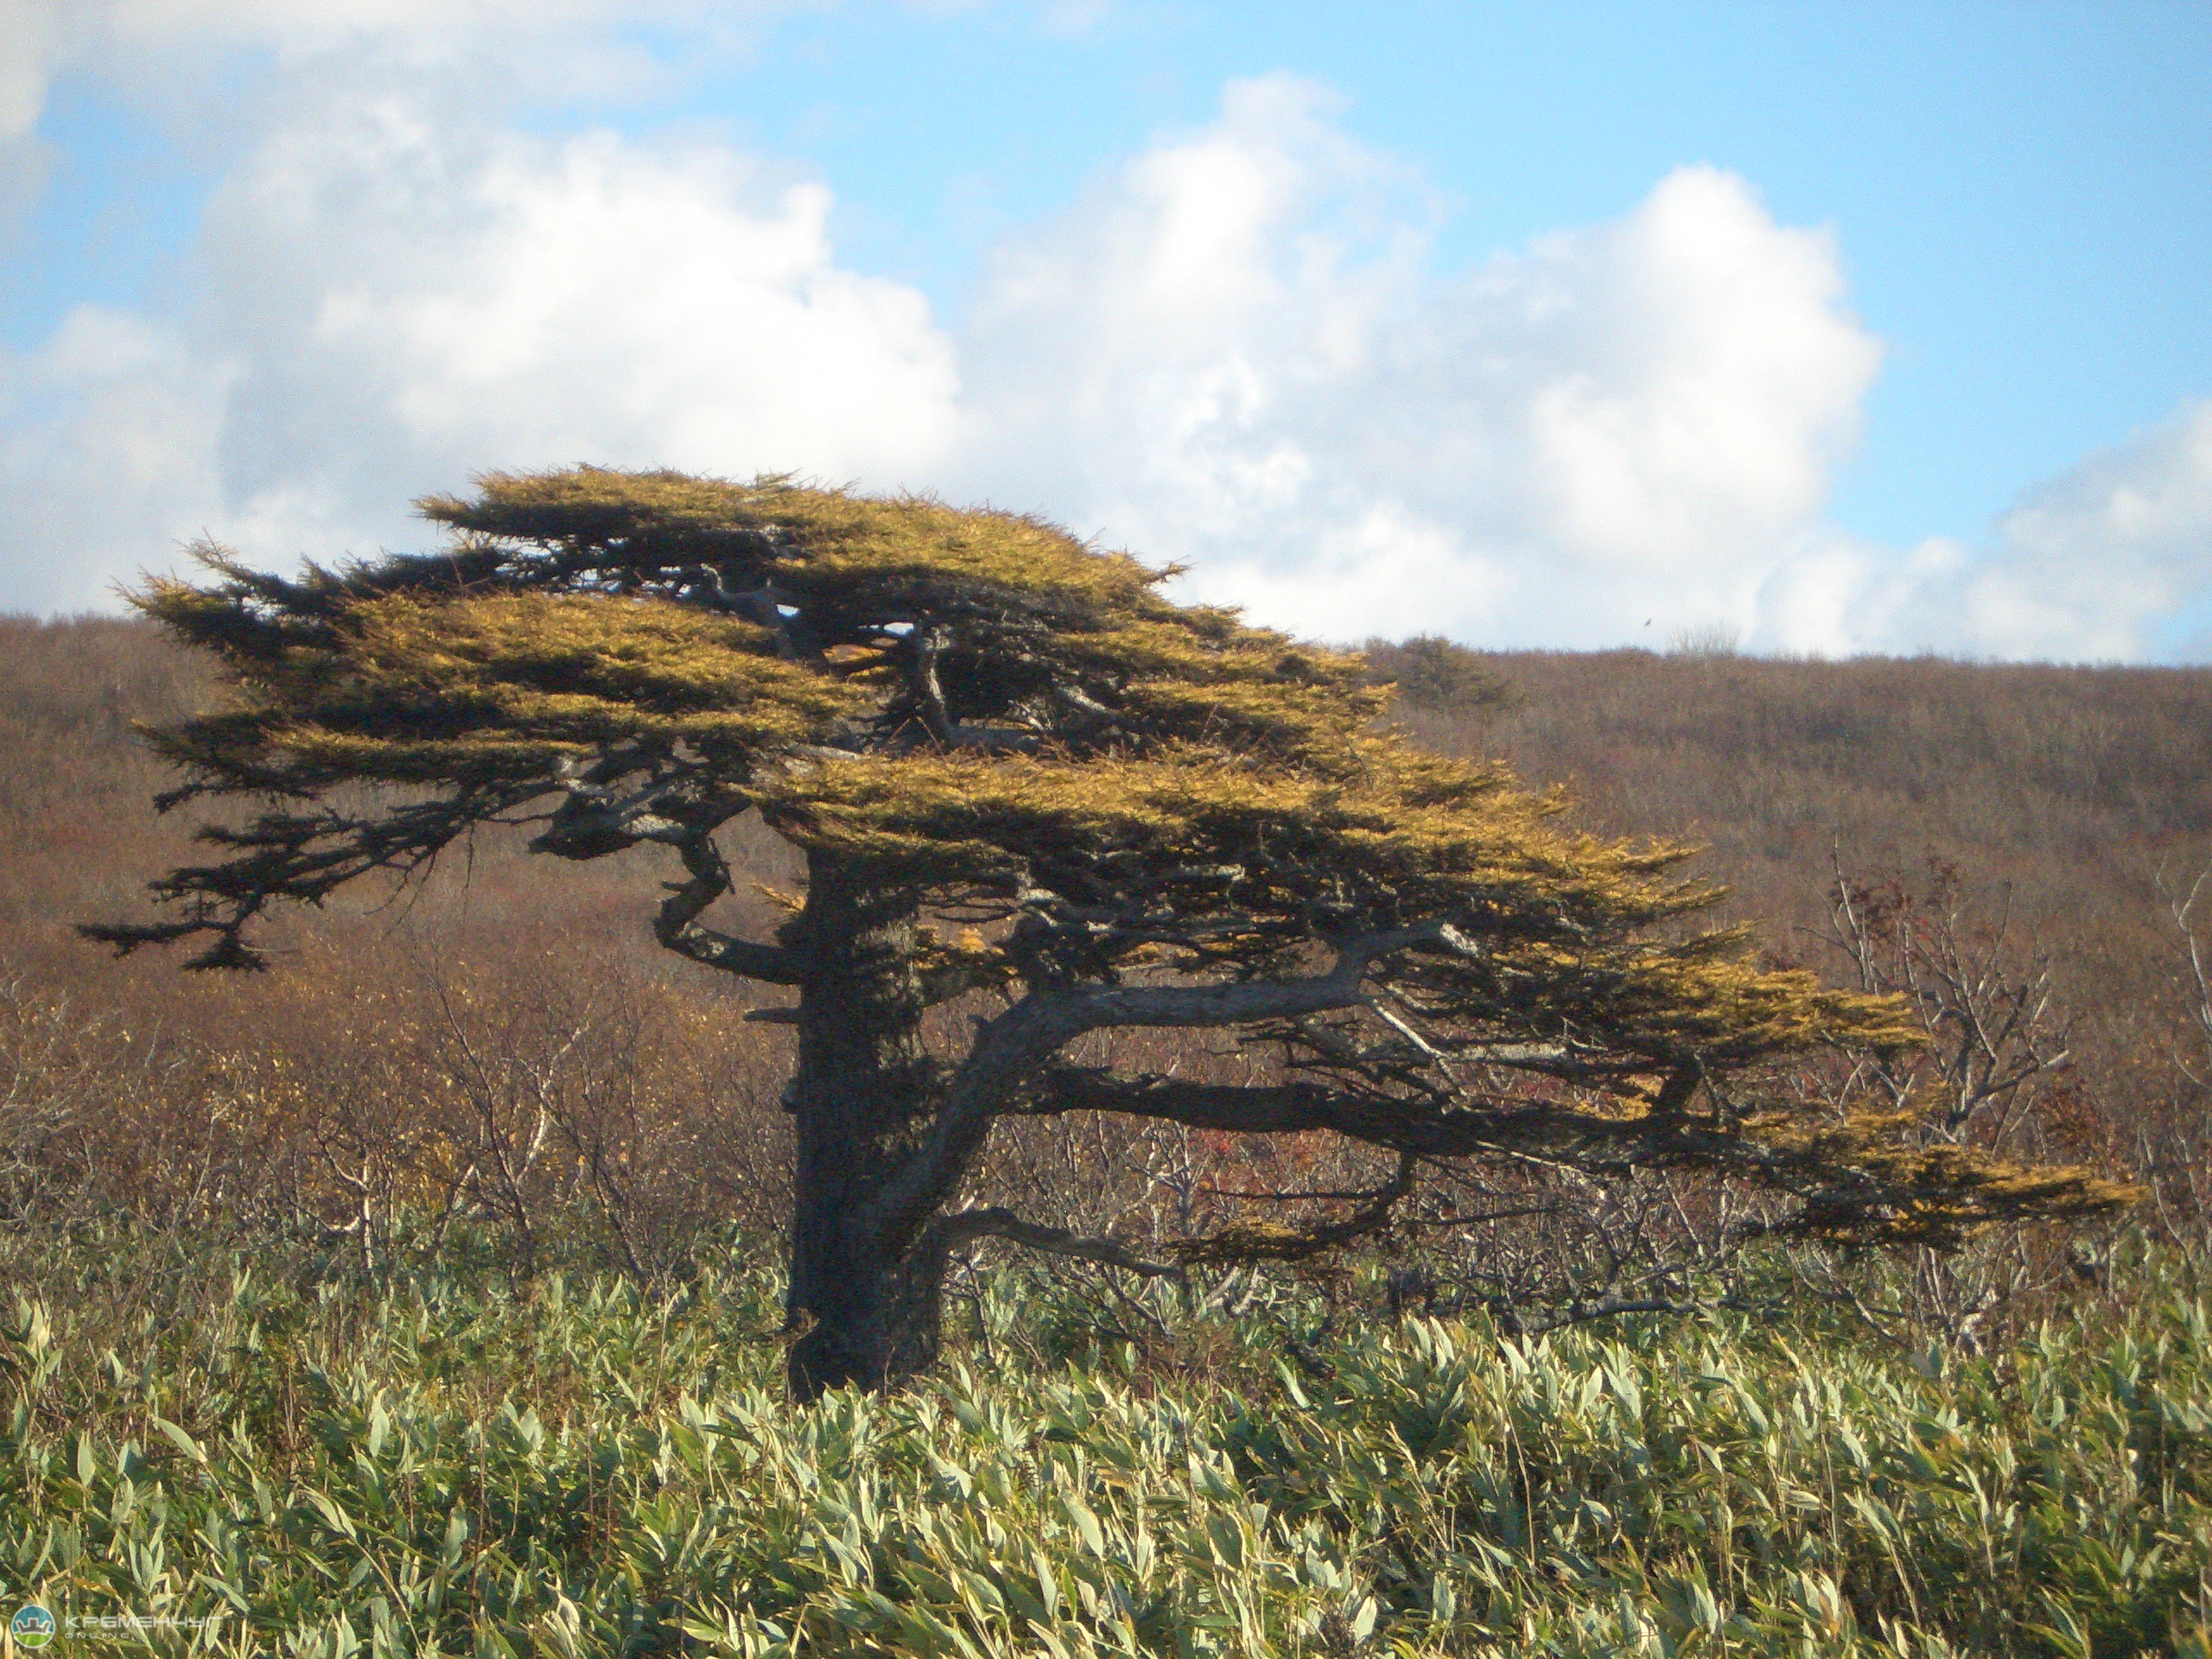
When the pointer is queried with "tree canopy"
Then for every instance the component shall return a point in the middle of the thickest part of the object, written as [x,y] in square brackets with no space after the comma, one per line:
[1023,776]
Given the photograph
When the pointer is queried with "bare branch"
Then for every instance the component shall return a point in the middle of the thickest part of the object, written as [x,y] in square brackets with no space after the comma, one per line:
[1266,1242]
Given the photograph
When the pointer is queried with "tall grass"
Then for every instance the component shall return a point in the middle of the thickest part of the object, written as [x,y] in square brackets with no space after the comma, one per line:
[326,1465]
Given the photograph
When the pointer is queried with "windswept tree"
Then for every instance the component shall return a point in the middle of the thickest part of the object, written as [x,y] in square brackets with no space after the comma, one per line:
[1019,777]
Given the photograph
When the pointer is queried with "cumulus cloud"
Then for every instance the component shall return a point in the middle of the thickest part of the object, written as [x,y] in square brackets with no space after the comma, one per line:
[414,303]
[108,439]
[393,303]
[2110,562]
[147,41]
[2104,560]
[1236,352]
[213,72]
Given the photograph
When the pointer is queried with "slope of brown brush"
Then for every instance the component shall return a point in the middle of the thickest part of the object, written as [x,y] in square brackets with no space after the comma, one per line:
[2051,817]
[488,1042]
[2074,784]
[506,1037]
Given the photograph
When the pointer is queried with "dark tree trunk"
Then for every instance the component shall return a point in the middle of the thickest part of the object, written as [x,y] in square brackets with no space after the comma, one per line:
[862,1097]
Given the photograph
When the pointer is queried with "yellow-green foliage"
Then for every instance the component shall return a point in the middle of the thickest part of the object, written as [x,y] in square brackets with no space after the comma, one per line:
[409,688]
[423,638]
[817,542]
[441,1467]
[1132,737]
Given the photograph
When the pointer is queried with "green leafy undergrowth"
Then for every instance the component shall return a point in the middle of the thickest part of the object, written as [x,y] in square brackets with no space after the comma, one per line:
[277,1464]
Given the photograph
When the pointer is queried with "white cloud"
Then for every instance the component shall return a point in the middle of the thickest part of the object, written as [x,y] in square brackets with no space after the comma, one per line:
[31,43]
[1690,377]
[394,303]
[152,44]
[1236,351]
[1236,354]
[420,303]
[2093,564]
[2106,563]
[107,457]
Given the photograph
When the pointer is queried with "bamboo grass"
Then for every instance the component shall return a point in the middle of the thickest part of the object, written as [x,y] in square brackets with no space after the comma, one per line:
[438,1467]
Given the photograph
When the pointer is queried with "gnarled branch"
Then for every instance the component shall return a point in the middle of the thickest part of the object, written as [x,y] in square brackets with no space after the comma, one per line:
[678,928]
[1008,1049]
[1273,1244]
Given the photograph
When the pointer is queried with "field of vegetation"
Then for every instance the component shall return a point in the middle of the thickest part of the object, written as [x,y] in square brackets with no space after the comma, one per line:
[281,1460]
[420,1295]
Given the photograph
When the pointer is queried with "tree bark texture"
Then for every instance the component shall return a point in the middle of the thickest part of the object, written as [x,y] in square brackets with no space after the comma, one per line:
[868,1306]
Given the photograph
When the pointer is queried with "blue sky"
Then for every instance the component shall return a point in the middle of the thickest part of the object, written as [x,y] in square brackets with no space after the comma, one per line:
[1845,328]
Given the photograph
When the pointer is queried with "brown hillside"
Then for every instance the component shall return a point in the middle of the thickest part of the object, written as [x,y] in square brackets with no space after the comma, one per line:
[2059,797]
[2056,811]
[2064,781]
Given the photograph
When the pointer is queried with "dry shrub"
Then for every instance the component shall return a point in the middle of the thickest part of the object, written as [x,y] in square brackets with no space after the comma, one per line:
[481,1047]
[1431,672]
[379,1100]
[505,1044]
